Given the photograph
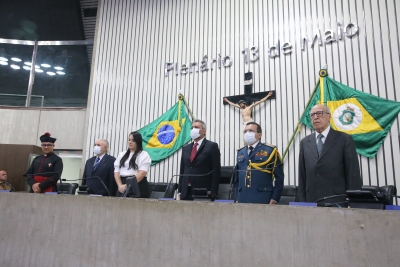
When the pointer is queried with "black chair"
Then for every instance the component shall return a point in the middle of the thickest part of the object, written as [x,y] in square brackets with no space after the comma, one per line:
[224,182]
[163,190]
[289,194]
[389,190]
[66,188]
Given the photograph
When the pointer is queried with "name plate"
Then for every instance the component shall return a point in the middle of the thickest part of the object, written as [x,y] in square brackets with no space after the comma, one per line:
[303,204]
[166,198]
[392,207]
[4,191]
[51,193]
[95,195]
[224,201]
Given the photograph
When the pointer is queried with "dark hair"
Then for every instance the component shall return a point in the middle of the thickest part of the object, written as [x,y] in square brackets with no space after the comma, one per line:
[258,126]
[137,137]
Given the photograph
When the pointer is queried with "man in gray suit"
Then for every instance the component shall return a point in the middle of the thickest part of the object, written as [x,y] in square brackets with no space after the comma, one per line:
[328,161]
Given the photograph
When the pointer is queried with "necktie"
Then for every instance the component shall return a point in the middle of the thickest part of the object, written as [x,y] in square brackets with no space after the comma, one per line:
[97,162]
[320,145]
[194,151]
[250,149]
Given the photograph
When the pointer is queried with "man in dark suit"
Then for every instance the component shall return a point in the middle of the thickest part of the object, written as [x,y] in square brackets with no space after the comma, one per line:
[199,157]
[264,185]
[102,166]
[328,161]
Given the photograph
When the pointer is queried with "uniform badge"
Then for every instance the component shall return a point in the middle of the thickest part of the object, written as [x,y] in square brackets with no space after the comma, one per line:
[49,164]
[241,156]
[262,153]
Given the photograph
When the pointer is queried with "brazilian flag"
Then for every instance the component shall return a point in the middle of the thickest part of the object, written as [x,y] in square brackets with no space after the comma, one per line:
[167,134]
[367,118]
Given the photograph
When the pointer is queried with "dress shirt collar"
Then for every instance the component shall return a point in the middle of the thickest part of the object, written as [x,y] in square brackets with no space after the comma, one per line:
[199,143]
[324,133]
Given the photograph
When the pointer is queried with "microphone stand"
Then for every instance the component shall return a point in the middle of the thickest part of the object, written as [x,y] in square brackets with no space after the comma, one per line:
[12,187]
[44,174]
[188,175]
[101,181]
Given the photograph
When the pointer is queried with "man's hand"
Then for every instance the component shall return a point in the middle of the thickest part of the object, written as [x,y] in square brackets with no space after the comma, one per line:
[36,188]
[273,202]
[270,93]
[122,188]
[225,99]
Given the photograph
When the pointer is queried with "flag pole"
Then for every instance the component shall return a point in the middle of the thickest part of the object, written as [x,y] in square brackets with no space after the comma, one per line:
[182,97]
[297,129]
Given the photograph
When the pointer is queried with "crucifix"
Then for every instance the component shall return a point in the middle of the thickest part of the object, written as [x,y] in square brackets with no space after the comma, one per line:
[248,100]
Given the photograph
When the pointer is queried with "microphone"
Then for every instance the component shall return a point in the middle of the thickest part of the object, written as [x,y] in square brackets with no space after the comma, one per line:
[86,178]
[44,174]
[236,171]
[12,187]
[332,204]
[188,175]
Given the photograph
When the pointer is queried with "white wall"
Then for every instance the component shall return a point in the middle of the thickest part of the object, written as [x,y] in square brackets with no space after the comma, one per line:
[25,126]
[134,39]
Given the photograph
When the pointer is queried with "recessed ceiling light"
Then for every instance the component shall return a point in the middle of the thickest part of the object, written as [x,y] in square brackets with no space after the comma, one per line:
[16,59]
[37,67]
[38,70]
[28,63]
[60,72]
[27,67]
[16,67]
[3,63]
[50,73]
[59,68]
[3,59]
[44,65]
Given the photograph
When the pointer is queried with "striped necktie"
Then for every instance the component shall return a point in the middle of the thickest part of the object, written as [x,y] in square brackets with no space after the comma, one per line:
[194,151]
[96,163]
[320,145]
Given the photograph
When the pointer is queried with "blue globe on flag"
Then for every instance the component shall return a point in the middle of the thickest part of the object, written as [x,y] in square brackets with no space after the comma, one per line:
[166,134]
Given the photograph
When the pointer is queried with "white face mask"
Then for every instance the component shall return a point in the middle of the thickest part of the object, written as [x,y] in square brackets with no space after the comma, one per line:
[195,133]
[97,150]
[250,138]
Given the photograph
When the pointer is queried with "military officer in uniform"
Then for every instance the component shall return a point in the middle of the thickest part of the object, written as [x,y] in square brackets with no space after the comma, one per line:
[259,170]
[45,170]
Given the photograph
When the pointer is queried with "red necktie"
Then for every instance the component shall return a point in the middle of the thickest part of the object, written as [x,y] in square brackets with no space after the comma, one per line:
[194,151]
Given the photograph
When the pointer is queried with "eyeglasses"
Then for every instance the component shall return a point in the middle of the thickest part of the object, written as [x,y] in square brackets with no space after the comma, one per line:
[47,145]
[318,113]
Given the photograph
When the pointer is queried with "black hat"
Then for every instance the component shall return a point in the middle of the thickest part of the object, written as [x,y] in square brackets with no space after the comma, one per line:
[242,101]
[46,138]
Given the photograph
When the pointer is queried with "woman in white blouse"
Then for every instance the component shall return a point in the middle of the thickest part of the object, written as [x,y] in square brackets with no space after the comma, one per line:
[134,161]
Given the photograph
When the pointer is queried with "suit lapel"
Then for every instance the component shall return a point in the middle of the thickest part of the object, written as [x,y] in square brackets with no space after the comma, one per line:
[199,149]
[313,144]
[101,162]
[329,142]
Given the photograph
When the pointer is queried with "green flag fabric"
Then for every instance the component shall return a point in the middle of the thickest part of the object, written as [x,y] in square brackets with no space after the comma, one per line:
[367,118]
[167,134]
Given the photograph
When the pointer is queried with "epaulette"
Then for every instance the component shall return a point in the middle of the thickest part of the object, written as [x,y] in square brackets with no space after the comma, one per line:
[240,148]
[270,145]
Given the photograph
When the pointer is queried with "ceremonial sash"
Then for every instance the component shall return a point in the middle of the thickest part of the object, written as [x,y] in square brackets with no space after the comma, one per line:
[40,179]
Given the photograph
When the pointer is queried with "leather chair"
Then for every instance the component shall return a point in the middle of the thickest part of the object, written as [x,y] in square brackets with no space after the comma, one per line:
[162,190]
[66,188]
[289,194]
[389,190]
[224,182]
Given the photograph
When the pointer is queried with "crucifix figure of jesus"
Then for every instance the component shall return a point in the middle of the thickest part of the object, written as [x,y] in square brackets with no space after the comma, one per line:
[246,109]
